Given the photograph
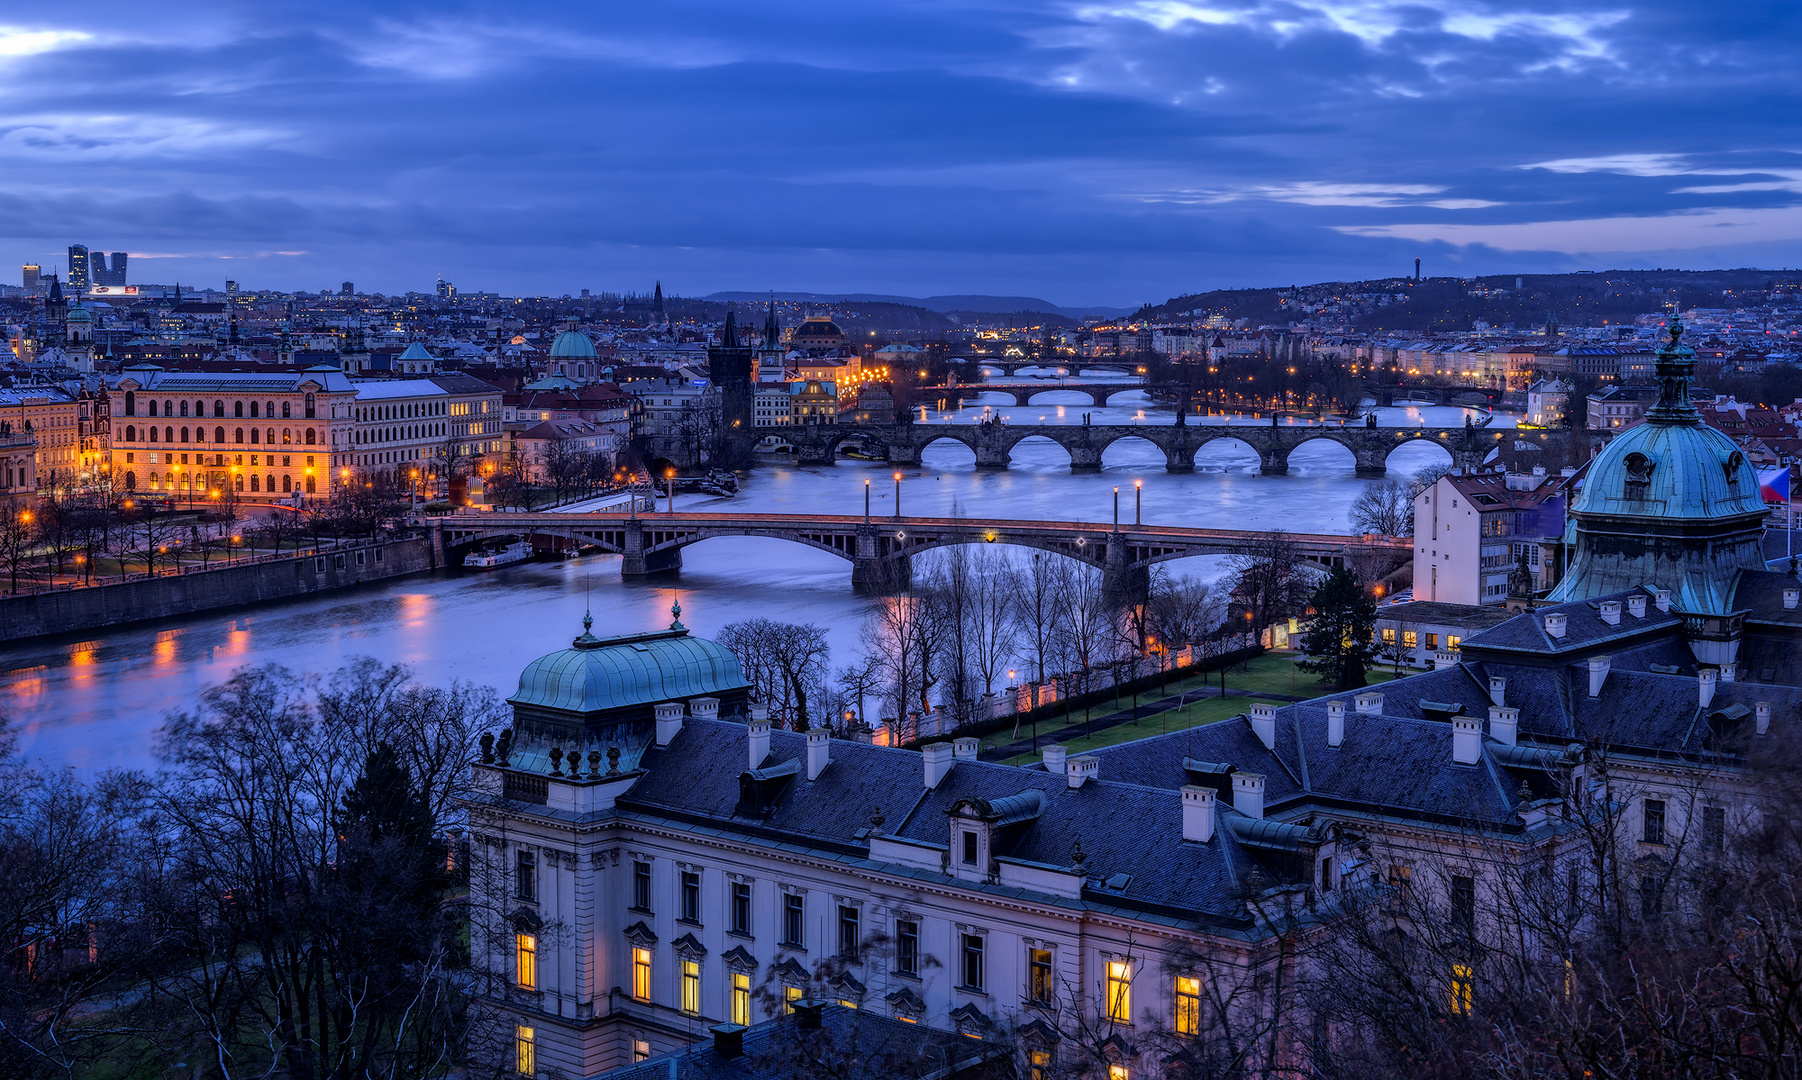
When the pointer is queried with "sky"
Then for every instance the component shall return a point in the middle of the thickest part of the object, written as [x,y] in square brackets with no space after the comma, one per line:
[1087,152]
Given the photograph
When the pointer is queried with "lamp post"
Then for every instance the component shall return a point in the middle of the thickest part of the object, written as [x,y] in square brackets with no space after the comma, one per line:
[1116,508]
[897,495]
[1138,502]
[866,500]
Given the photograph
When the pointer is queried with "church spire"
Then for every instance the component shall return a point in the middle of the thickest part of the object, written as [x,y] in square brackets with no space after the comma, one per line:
[729,335]
[772,330]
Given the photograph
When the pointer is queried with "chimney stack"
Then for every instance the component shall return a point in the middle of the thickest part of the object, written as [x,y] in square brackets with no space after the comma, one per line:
[1554,624]
[938,762]
[1729,672]
[1370,702]
[1791,596]
[1705,685]
[759,741]
[704,708]
[1636,605]
[1598,674]
[819,752]
[669,721]
[1610,610]
[1762,711]
[1504,725]
[1661,599]
[1053,757]
[728,1039]
[1497,686]
[1467,740]
[1080,769]
[965,748]
[1248,794]
[1198,813]
[1263,724]
[1335,723]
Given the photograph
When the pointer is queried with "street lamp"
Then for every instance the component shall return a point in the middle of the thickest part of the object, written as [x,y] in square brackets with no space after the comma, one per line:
[897,495]
[866,500]
[1138,501]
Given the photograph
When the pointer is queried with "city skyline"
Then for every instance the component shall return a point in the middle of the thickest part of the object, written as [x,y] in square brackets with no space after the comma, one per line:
[1089,154]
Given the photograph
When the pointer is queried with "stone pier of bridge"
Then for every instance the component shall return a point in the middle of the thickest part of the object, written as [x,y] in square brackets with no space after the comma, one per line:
[636,562]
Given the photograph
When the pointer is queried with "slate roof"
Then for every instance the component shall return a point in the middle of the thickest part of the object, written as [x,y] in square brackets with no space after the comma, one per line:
[1584,627]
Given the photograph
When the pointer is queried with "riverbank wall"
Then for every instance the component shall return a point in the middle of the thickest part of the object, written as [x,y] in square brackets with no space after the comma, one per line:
[74,611]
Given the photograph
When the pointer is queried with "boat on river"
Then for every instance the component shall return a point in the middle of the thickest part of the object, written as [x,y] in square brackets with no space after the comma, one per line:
[490,558]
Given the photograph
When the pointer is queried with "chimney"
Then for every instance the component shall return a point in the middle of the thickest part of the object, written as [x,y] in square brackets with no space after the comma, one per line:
[938,762]
[1791,596]
[965,747]
[1467,740]
[1762,711]
[1497,686]
[1598,674]
[1053,757]
[704,708]
[728,1039]
[1504,725]
[1198,813]
[1661,599]
[1370,702]
[1729,671]
[1444,659]
[760,740]
[669,721]
[807,1014]
[1335,723]
[1705,685]
[1079,769]
[1248,794]
[1636,605]
[1554,624]
[1610,610]
[1263,723]
[819,752]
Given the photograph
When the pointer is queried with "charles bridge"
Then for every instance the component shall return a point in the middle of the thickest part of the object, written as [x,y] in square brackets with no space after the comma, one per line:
[992,442]
[881,549]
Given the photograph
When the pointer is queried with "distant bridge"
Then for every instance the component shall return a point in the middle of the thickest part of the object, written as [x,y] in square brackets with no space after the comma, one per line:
[1024,391]
[992,443]
[1073,365]
[881,549]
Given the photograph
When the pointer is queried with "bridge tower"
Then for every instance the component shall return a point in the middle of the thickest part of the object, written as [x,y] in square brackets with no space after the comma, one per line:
[730,366]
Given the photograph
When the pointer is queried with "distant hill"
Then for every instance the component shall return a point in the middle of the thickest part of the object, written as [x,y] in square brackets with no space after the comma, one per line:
[989,305]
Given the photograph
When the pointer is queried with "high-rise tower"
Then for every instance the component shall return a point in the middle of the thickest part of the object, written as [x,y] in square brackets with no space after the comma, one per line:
[729,365]
[78,268]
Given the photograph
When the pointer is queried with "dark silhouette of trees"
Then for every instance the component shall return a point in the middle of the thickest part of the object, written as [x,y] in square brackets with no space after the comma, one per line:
[1340,639]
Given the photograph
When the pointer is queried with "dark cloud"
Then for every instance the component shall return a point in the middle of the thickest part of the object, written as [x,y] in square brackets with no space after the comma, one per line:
[1094,152]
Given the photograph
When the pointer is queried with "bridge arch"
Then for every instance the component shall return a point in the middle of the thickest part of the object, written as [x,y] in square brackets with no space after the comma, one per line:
[1414,451]
[961,450]
[1224,452]
[1132,449]
[1338,453]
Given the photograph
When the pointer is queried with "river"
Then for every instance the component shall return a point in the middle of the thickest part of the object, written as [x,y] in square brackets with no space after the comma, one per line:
[96,703]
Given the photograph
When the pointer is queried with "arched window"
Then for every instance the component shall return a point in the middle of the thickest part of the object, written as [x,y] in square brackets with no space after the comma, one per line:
[200,408]
[309,485]
[285,408]
[253,483]
[269,409]
[131,478]
[155,480]
[131,433]
[287,484]
[238,435]
[219,434]
[309,436]
[168,434]
[152,407]
[238,409]
[309,406]
[218,408]
[168,408]
[269,484]
[184,434]
[255,434]
[269,436]
[253,408]
[150,433]
[240,484]
[184,408]
[131,403]
[287,436]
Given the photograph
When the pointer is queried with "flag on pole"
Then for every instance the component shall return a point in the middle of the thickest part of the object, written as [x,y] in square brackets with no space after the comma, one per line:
[1773,484]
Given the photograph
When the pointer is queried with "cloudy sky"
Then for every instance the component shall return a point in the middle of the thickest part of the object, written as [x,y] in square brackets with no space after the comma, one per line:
[1091,151]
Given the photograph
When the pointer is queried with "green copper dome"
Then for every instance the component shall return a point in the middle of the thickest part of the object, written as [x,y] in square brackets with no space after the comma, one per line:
[596,675]
[572,345]
[1671,471]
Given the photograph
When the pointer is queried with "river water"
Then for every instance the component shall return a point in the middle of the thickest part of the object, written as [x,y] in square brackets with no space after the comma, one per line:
[96,703]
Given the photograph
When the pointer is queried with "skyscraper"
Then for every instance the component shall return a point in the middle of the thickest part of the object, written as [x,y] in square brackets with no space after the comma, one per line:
[350,288]
[32,274]
[100,274]
[78,268]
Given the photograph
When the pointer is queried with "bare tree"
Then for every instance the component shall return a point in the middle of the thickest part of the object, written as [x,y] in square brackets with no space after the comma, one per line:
[1036,613]
[1269,580]
[18,538]
[786,664]
[1384,507]
[1182,610]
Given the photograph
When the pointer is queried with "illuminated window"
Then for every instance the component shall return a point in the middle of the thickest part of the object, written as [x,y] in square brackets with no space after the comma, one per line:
[1038,983]
[741,999]
[1117,1071]
[641,974]
[1410,639]
[1119,991]
[525,960]
[790,995]
[1188,1005]
[691,987]
[525,1051]
[1461,989]
[641,1049]
[1038,1065]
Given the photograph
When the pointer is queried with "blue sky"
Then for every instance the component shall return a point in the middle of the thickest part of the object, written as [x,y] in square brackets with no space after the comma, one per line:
[1096,151]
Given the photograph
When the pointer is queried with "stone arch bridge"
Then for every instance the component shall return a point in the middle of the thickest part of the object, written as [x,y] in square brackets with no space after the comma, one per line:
[1023,393]
[1085,443]
[881,549]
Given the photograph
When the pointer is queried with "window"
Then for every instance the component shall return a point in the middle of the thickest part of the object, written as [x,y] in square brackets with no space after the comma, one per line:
[691,987]
[1188,1004]
[969,836]
[1326,874]
[525,1051]
[525,875]
[1452,641]
[794,927]
[1654,821]
[741,999]
[741,908]
[1117,1071]
[972,961]
[1714,828]
[641,886]
[1119,991]
[1464,903]
[1038,976]
[1410,639]
[641,974]
[691,896]
[1461,990]
[907,947]
[790,995]
[525,960]
[1038,1065]
[1432,641]
[849,933]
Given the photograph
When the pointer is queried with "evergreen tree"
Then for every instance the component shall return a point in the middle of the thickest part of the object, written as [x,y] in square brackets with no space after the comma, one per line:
[1340,641]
